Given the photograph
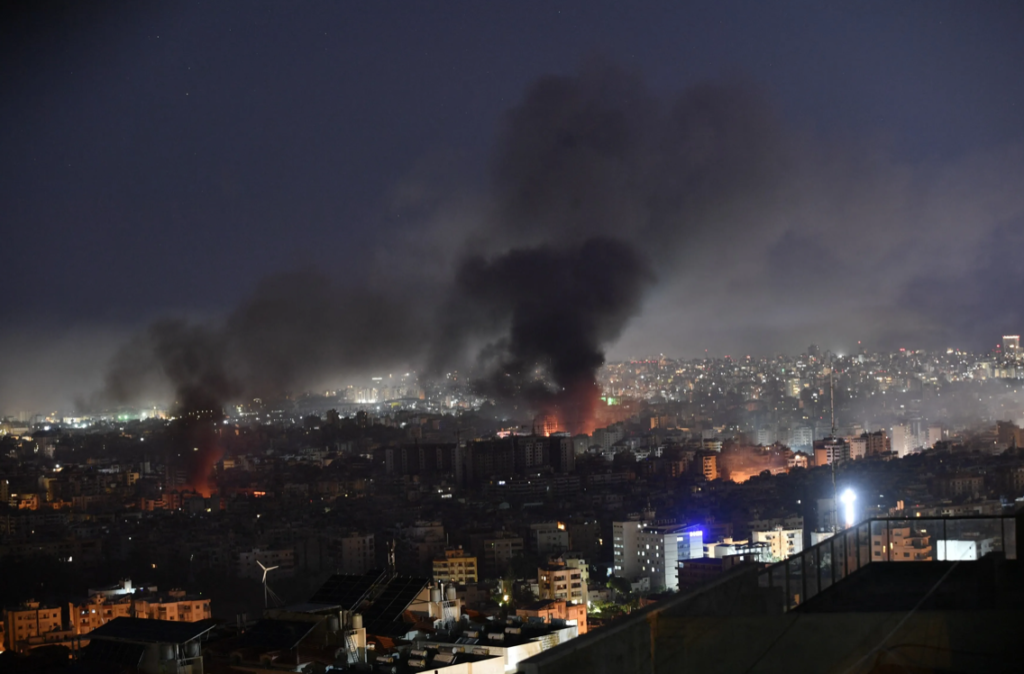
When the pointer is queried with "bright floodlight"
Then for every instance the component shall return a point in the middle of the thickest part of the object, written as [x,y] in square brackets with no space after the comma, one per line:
[848,498]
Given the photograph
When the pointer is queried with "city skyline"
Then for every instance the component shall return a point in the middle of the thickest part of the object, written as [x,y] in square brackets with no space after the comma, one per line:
[511,337]
[755,193]
[1002,362]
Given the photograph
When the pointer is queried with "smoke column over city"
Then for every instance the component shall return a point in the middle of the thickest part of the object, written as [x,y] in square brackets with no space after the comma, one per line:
[700,212]
[562,308]
[598,188]
[293,329]
[607,186]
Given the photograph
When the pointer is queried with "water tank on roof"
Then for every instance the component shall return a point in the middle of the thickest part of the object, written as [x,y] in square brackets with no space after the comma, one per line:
[435,594]
[357,621]
[451,592]
[333,624]
[166,651]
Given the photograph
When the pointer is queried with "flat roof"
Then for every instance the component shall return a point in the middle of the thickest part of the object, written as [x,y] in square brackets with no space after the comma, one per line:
[143,630]
[988,583]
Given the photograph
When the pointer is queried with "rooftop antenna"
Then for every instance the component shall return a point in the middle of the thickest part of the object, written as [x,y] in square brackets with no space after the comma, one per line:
[267,592]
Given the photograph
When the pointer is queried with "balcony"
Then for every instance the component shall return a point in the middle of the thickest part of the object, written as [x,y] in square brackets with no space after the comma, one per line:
[805,575]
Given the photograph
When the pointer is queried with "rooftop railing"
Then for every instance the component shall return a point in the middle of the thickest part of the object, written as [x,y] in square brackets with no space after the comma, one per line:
[874,541]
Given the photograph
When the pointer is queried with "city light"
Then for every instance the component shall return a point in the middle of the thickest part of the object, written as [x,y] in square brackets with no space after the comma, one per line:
[848,498]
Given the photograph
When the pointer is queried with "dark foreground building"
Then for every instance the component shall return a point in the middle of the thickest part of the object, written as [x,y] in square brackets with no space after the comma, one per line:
[836,607]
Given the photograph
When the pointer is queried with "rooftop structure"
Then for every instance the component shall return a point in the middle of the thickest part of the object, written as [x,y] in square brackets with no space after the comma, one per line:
[833,607]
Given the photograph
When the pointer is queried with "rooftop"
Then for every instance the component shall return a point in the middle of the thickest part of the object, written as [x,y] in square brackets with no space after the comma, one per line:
[148,631]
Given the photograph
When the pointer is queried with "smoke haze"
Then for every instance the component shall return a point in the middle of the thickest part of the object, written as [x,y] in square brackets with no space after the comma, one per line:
[618,218]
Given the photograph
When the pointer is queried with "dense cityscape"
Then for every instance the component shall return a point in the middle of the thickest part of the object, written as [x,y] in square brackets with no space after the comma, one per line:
[252,510]
[533,337]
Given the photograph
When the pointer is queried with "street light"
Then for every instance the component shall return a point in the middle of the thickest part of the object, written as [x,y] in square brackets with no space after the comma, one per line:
[848,498]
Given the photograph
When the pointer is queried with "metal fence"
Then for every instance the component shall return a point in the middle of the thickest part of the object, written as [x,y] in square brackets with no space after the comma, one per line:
[804,575]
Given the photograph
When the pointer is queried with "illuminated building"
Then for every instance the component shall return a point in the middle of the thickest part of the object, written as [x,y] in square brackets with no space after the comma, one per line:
[901,440]
[835,607]
[624,542]
[709,465]
[550,610]
[783,543]
[1011,346]
[456,566]
[858,447]
[660,548]
[831,449]
[561,582]
[100,609]
[29,624]
[575,561]
[653,550]
[905,544]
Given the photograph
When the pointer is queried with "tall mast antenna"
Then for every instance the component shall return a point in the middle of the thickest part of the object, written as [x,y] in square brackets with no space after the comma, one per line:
[832,441]
[832,394]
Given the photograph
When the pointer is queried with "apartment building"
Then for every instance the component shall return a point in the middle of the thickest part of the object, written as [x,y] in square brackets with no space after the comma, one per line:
[457,566]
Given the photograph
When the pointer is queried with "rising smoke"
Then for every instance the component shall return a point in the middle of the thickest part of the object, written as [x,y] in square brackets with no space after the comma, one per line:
[608,187]
[559,308]
[297,330]
[598,187]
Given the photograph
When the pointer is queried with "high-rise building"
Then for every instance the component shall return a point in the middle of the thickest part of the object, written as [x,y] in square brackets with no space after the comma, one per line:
[829,450]
[858,447]
[1011,346]
[802,437]
[901,440]
[624,542]
[654,551]
[878,443]
[707,464]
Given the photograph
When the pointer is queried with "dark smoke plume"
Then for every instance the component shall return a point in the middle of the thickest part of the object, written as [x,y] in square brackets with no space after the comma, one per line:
[562,307]
[595,181]
[296,330]
[597,154]
[598,186]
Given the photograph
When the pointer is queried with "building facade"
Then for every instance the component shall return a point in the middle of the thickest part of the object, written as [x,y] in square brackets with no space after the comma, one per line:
[457,566]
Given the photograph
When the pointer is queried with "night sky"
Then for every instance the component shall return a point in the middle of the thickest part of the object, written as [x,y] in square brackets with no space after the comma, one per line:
[160,159]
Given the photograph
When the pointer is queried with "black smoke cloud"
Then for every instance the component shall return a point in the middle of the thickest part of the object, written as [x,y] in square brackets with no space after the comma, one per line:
[761,237]
[558,309]
[296,330]
[598,154]
[598,188]
[597,185]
